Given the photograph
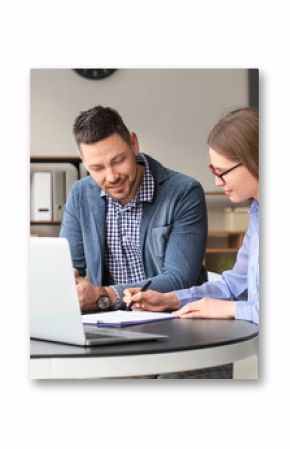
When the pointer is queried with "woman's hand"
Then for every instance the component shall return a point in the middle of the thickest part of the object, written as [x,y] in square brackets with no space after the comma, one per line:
[208,308]
[151,300]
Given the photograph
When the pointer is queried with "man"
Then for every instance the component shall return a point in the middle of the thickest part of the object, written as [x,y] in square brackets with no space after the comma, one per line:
[131,219]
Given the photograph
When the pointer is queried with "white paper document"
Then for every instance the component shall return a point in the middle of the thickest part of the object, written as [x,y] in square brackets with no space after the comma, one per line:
[121,318]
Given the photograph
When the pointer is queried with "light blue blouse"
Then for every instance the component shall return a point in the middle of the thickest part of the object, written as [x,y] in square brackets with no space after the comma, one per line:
[241,283]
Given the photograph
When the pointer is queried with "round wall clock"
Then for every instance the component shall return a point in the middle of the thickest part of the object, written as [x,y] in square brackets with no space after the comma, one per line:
[95,74]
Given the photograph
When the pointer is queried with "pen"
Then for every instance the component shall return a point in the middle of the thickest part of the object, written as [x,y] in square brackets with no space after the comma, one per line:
[142,289]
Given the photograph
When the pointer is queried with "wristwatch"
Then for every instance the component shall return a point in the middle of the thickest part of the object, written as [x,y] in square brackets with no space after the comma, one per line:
[103,303]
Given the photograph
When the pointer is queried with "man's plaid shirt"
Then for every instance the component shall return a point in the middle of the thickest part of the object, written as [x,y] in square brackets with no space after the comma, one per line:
[123,257]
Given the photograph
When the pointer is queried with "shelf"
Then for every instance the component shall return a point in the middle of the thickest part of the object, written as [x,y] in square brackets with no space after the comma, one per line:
[225,239]
[221,250]
[55,159]
[224,233]
[74,170]
[74,160]
[45,223]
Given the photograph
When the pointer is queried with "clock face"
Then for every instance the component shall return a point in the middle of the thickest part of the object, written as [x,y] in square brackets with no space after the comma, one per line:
[95,74]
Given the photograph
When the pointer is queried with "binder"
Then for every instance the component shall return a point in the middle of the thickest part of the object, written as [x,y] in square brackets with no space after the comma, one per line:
[41,196]
[58,194]
[71,173]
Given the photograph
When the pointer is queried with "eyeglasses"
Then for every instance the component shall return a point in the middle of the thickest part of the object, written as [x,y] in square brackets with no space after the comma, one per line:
[221,175]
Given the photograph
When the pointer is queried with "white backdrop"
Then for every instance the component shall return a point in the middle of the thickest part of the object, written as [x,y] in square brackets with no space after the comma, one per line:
[242,415]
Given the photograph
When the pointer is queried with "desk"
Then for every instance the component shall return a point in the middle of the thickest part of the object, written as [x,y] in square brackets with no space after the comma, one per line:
[192,344]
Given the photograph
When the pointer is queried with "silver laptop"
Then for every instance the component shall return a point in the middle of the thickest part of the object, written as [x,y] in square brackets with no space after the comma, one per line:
[55,313]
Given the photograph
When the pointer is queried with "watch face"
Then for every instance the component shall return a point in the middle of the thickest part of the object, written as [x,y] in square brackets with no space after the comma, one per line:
[94,74]
[103,302]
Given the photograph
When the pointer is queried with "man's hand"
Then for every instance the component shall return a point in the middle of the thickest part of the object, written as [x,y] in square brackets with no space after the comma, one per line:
[88,294]
[151,300]
[208,308]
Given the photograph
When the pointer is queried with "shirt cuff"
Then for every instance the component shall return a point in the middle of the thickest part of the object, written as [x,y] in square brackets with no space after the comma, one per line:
[119,297]
[247,310]
[185,296]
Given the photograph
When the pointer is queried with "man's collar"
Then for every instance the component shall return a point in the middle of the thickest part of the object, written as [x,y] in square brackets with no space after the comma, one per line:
[146,190]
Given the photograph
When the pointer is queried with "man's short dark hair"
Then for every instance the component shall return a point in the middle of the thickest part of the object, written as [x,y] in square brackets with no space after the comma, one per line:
[97,124]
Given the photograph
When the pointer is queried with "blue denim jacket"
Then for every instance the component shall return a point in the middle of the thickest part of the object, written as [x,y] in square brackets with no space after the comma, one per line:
[173,231]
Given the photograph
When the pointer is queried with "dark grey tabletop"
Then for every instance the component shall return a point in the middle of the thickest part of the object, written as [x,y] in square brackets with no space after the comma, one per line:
[182,335]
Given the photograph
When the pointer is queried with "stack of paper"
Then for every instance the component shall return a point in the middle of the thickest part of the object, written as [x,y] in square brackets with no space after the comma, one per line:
[121,318]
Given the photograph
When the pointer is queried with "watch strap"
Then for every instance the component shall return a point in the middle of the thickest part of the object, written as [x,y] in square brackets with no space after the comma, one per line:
[118,300]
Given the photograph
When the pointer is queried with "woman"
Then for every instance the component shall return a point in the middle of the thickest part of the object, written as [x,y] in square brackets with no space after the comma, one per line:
[234,155]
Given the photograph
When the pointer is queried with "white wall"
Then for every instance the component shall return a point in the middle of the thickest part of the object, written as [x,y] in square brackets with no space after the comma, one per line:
[172,110]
